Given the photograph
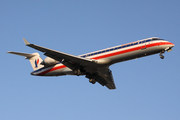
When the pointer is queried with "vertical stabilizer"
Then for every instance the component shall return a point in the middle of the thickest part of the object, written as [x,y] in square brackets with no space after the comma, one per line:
[34,59]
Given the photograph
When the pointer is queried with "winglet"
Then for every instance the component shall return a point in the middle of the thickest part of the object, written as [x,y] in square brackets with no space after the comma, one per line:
[26,42]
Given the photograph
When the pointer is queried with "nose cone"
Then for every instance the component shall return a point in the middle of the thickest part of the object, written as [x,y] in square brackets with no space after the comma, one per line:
[172,45]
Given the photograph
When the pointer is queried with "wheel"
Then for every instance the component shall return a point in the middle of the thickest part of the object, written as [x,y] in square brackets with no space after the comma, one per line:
[93,81]
[77,72]
[162,57]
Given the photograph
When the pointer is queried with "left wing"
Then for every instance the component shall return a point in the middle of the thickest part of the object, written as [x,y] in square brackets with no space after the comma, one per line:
[59,56]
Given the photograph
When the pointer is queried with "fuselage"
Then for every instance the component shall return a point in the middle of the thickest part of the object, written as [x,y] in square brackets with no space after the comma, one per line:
[109,56]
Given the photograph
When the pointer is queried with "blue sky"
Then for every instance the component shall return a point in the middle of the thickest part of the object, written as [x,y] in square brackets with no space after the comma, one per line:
[147,88]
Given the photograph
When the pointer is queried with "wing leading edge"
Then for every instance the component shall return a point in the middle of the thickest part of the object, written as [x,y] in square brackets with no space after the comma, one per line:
[59,56]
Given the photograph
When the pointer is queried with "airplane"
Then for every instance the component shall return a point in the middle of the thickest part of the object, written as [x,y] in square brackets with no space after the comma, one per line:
[94,65]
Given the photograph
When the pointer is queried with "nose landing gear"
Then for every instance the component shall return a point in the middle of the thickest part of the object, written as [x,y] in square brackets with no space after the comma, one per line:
[161,54]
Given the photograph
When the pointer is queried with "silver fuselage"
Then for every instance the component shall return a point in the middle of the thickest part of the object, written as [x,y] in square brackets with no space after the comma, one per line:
[109,56]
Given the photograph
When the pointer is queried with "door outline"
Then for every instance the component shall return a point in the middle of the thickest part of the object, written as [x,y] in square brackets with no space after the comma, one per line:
[143,46]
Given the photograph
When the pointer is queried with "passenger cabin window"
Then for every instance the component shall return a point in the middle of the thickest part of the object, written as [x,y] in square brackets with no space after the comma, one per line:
[135,43]
[111,49]
[119,47]
[148,40]
[122,46]
[143,41]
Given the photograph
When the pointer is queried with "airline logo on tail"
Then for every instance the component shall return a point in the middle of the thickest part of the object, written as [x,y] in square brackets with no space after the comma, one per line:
[36,63]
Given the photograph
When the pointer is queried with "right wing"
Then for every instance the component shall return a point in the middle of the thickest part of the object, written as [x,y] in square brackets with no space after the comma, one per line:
[104,77]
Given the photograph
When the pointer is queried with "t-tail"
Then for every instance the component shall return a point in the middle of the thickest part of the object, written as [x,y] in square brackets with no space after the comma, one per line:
[34,59]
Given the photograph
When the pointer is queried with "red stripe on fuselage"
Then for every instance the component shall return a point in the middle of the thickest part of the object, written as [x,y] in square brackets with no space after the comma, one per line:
[113,54]
[52,69]
[132,49]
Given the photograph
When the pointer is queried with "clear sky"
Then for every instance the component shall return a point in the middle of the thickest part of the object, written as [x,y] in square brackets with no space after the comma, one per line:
[147,88]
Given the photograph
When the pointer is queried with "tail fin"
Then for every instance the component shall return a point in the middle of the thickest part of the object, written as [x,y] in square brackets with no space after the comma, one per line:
[34,59]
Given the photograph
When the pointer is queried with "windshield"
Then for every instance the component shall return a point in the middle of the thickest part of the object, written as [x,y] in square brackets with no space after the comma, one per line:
[157,39]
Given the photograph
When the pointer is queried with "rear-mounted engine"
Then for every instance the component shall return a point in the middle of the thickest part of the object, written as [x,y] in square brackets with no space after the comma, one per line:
[49,61]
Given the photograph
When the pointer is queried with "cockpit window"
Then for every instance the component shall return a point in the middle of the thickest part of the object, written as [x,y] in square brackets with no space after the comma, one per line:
[157,39]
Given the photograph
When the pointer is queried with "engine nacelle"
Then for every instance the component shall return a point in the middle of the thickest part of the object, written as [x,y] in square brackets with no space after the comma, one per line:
[49,61]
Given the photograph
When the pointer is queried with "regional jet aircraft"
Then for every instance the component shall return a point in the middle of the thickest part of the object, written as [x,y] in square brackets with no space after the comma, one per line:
[94,65]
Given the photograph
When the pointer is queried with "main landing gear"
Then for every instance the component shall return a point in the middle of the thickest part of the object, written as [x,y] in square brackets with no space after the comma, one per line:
[93,81]
[91,78]
[77,72]
[161,54]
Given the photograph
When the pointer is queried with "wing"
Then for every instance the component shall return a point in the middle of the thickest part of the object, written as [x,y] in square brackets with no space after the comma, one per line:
[59,56]
[104,77]
[89,66]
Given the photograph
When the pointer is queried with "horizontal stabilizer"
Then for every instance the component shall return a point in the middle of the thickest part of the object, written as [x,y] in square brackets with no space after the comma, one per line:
[26,55]
[34,59]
